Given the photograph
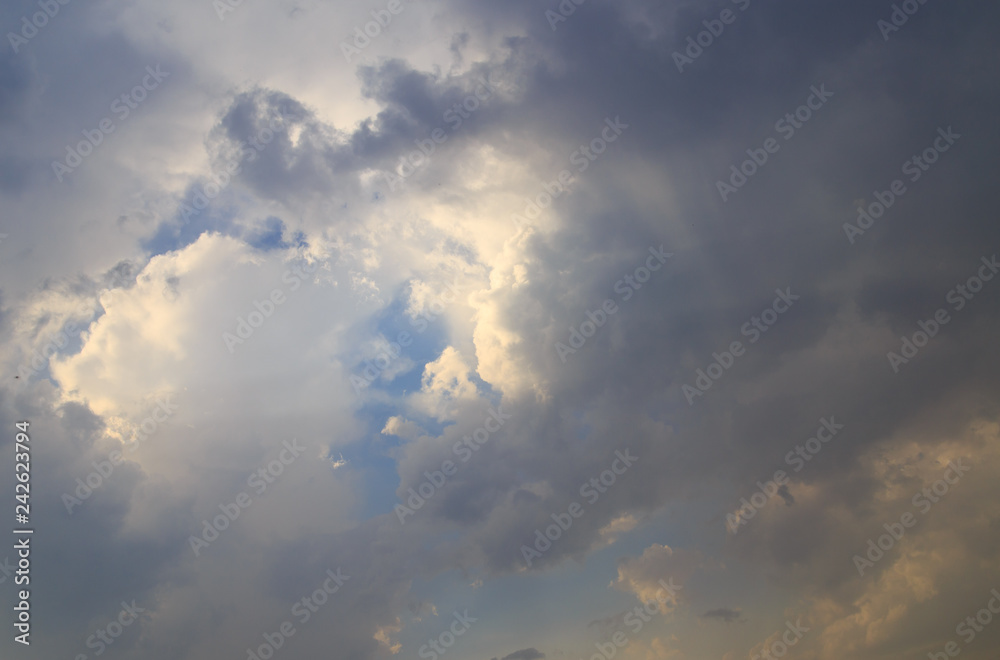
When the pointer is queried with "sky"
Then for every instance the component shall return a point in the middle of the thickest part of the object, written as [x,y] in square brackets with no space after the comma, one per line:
[467,330]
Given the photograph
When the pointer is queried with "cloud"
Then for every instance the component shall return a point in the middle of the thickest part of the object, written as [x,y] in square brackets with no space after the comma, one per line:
[154,290]
[723,613]
[525,654]
[642,575]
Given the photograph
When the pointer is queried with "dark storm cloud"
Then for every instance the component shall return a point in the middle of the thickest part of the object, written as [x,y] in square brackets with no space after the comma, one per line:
[786,496]
[525,654]
[733,256]
[723,614]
